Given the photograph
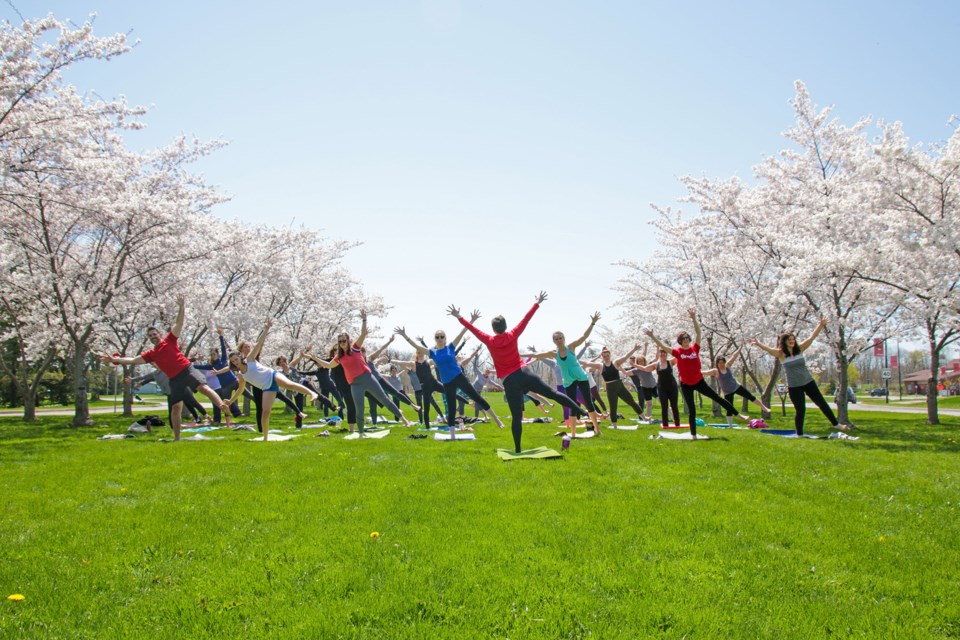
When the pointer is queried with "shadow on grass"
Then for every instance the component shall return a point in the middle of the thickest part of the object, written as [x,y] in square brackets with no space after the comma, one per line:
[936,439]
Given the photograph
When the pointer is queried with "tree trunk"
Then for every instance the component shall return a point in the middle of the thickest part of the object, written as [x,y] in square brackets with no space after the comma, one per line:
[30,405]
[933,415]
[842,361]
[767,395]
[127,393]
[81,414]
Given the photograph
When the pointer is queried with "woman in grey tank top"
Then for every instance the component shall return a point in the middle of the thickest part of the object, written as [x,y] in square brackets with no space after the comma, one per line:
[800,384]
[729,386]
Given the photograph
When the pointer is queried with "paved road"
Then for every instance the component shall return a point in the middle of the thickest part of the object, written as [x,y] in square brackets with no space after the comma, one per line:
[139,408]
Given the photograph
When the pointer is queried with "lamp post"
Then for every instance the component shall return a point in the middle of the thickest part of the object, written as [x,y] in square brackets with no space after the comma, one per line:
[886,367]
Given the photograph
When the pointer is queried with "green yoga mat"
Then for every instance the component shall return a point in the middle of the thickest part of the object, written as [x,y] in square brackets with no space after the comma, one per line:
[540,453]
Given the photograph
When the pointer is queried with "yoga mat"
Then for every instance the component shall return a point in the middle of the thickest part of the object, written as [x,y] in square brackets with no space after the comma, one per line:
[117,436]
[580,435]
[200,436]
[536,420]
[275,438]
[198,429]
[624,427]
[674,426]
[787,433]
[540,453]
[673,435]
[459,436]
[367,435]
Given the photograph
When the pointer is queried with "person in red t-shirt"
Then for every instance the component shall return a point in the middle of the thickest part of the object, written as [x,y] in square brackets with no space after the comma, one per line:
[689,369]
[167,357]
[517,381]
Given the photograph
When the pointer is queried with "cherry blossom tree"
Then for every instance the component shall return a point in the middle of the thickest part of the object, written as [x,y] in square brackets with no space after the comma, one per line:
[778,254]
[919,227]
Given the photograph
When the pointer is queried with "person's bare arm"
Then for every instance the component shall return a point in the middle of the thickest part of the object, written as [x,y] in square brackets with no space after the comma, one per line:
[806,343]
[619,361]
[402,332]
[177,327]
[657,341]
[586,334]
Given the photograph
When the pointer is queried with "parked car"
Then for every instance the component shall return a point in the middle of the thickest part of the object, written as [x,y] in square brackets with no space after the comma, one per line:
[851,396]
[879,391]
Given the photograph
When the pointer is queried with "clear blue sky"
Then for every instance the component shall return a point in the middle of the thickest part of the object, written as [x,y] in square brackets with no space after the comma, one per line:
[483,151]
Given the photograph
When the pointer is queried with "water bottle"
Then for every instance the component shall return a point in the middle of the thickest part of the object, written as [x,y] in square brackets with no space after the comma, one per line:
[566,442]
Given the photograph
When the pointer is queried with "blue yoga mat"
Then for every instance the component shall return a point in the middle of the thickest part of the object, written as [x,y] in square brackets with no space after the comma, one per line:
[786,433]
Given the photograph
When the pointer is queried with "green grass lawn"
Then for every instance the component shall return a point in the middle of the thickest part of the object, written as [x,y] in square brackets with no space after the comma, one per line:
[745,535]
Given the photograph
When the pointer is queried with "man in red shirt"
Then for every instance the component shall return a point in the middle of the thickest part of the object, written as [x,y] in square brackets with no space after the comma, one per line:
[517,381]
[167,357]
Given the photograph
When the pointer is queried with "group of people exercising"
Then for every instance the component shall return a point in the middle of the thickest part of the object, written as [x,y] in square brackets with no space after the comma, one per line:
[348,378]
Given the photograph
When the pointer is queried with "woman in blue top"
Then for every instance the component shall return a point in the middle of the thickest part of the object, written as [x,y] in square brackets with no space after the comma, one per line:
[574,377]
[444,356]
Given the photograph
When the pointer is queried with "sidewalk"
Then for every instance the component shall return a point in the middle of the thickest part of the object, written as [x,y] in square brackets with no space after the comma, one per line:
[67,411]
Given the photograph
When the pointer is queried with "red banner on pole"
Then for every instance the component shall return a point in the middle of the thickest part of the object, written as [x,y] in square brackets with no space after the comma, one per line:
[894,362]
[956,366]
[878,347]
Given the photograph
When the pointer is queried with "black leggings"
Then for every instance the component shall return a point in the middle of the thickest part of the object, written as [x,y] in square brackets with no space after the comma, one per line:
[800,404]
[344,388]
[329,390]
[520,382]
[597,400]
[193,406]
[450,393]
[704,389]
[668,394]
[584,388]
[425,399]
[740,391]
[616,391]
[225,393]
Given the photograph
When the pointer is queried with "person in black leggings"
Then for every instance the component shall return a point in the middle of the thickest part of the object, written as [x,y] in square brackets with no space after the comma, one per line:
[451,374]
[506,359]
[616,390]
[420,367]
[667,390]
[244,347]
[800,383]
[690,370]
[327,390]
[339,378]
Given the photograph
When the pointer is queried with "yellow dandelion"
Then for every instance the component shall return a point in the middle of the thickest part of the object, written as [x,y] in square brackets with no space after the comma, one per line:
[16,597]
[882,539]
[375,535]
